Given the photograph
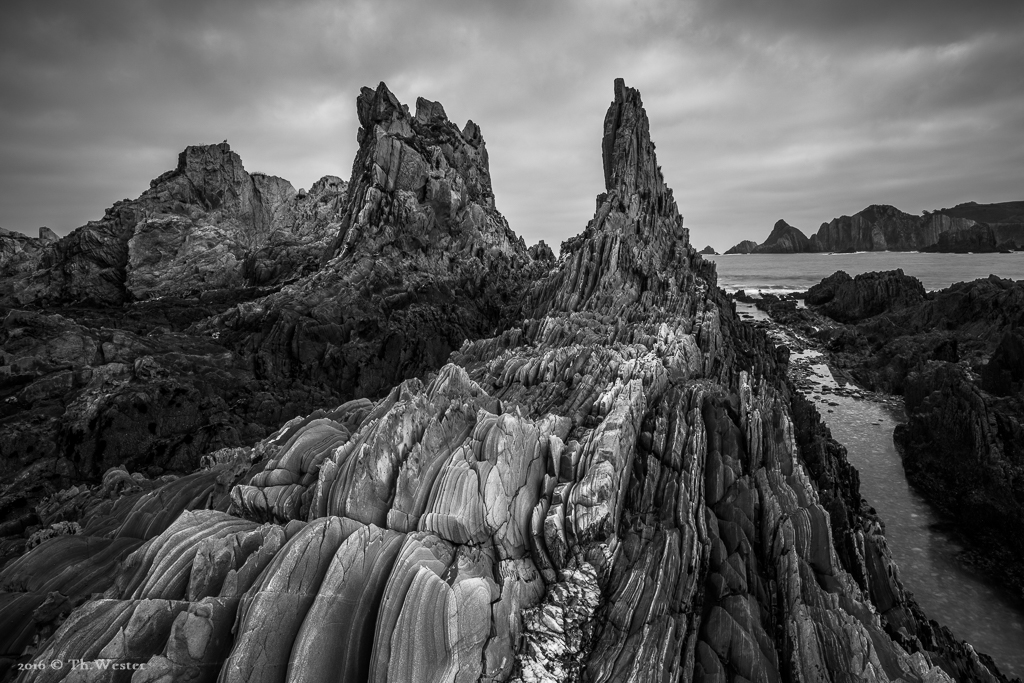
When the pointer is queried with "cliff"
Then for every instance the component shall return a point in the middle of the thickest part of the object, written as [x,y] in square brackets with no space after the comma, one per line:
[965,228]
[614,482]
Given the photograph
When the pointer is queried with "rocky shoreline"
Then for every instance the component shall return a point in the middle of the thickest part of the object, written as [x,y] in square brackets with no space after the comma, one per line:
[438,455]
[954,357]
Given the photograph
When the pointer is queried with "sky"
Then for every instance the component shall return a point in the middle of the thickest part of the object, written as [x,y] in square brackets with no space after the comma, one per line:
[760,109]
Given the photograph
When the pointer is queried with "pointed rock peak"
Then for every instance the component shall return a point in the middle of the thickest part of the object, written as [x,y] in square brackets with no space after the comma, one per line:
[782,228]
[428,112]
[381,108]
[630,165]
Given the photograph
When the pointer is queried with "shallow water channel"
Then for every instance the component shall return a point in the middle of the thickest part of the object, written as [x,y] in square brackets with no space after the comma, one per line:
[983,615]
[986,616]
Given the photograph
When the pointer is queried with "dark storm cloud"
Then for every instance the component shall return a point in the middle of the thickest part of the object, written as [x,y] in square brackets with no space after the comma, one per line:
[760,110]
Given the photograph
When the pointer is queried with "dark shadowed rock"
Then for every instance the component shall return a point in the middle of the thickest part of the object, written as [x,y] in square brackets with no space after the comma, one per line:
[420,261]
[849,299]
[708,251]
[784,239]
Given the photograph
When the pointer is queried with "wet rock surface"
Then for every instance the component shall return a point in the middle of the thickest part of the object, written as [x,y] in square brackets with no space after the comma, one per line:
[619,483]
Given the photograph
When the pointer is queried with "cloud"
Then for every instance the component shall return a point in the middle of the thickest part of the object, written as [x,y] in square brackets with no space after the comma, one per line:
[759,110]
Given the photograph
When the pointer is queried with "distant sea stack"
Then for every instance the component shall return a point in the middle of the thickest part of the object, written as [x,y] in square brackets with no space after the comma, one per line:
[969,227]
[784,239]
[708,251]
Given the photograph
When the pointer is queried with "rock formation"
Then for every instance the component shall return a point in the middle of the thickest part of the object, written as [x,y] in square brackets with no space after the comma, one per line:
[784,239]
[965,228]
[708,251]
[744,247]
[421,260]
[206,225]
[850,299]
[614,483]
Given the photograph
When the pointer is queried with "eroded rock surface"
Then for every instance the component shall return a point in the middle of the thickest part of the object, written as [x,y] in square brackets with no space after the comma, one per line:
[850,299]
[420,261]
[206,225]
[618,486]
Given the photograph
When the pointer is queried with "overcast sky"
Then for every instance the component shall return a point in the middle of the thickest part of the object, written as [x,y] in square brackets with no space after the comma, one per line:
[760,110]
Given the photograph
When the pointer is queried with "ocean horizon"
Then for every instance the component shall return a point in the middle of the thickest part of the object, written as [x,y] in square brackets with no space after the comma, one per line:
[788,273]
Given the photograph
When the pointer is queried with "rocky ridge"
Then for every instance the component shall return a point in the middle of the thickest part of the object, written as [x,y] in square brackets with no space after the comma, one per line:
[881,227]
[421,261]
[619,484]
[206,225]
[95,386]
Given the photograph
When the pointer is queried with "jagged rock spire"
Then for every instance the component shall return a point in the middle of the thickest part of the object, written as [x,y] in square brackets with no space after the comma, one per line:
[636,242]
[418,177]
[630,164]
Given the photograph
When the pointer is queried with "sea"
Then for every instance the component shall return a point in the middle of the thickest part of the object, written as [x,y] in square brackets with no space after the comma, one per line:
[787,273]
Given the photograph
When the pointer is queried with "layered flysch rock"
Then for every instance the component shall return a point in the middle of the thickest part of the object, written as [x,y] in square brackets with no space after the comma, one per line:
[616,487]
[206,225]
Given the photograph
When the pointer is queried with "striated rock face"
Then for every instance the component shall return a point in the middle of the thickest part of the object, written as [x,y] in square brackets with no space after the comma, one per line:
[616,487]
[206,225]
[784,239]
[421,260]
[849,299]
[876,228]
[1002,225]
